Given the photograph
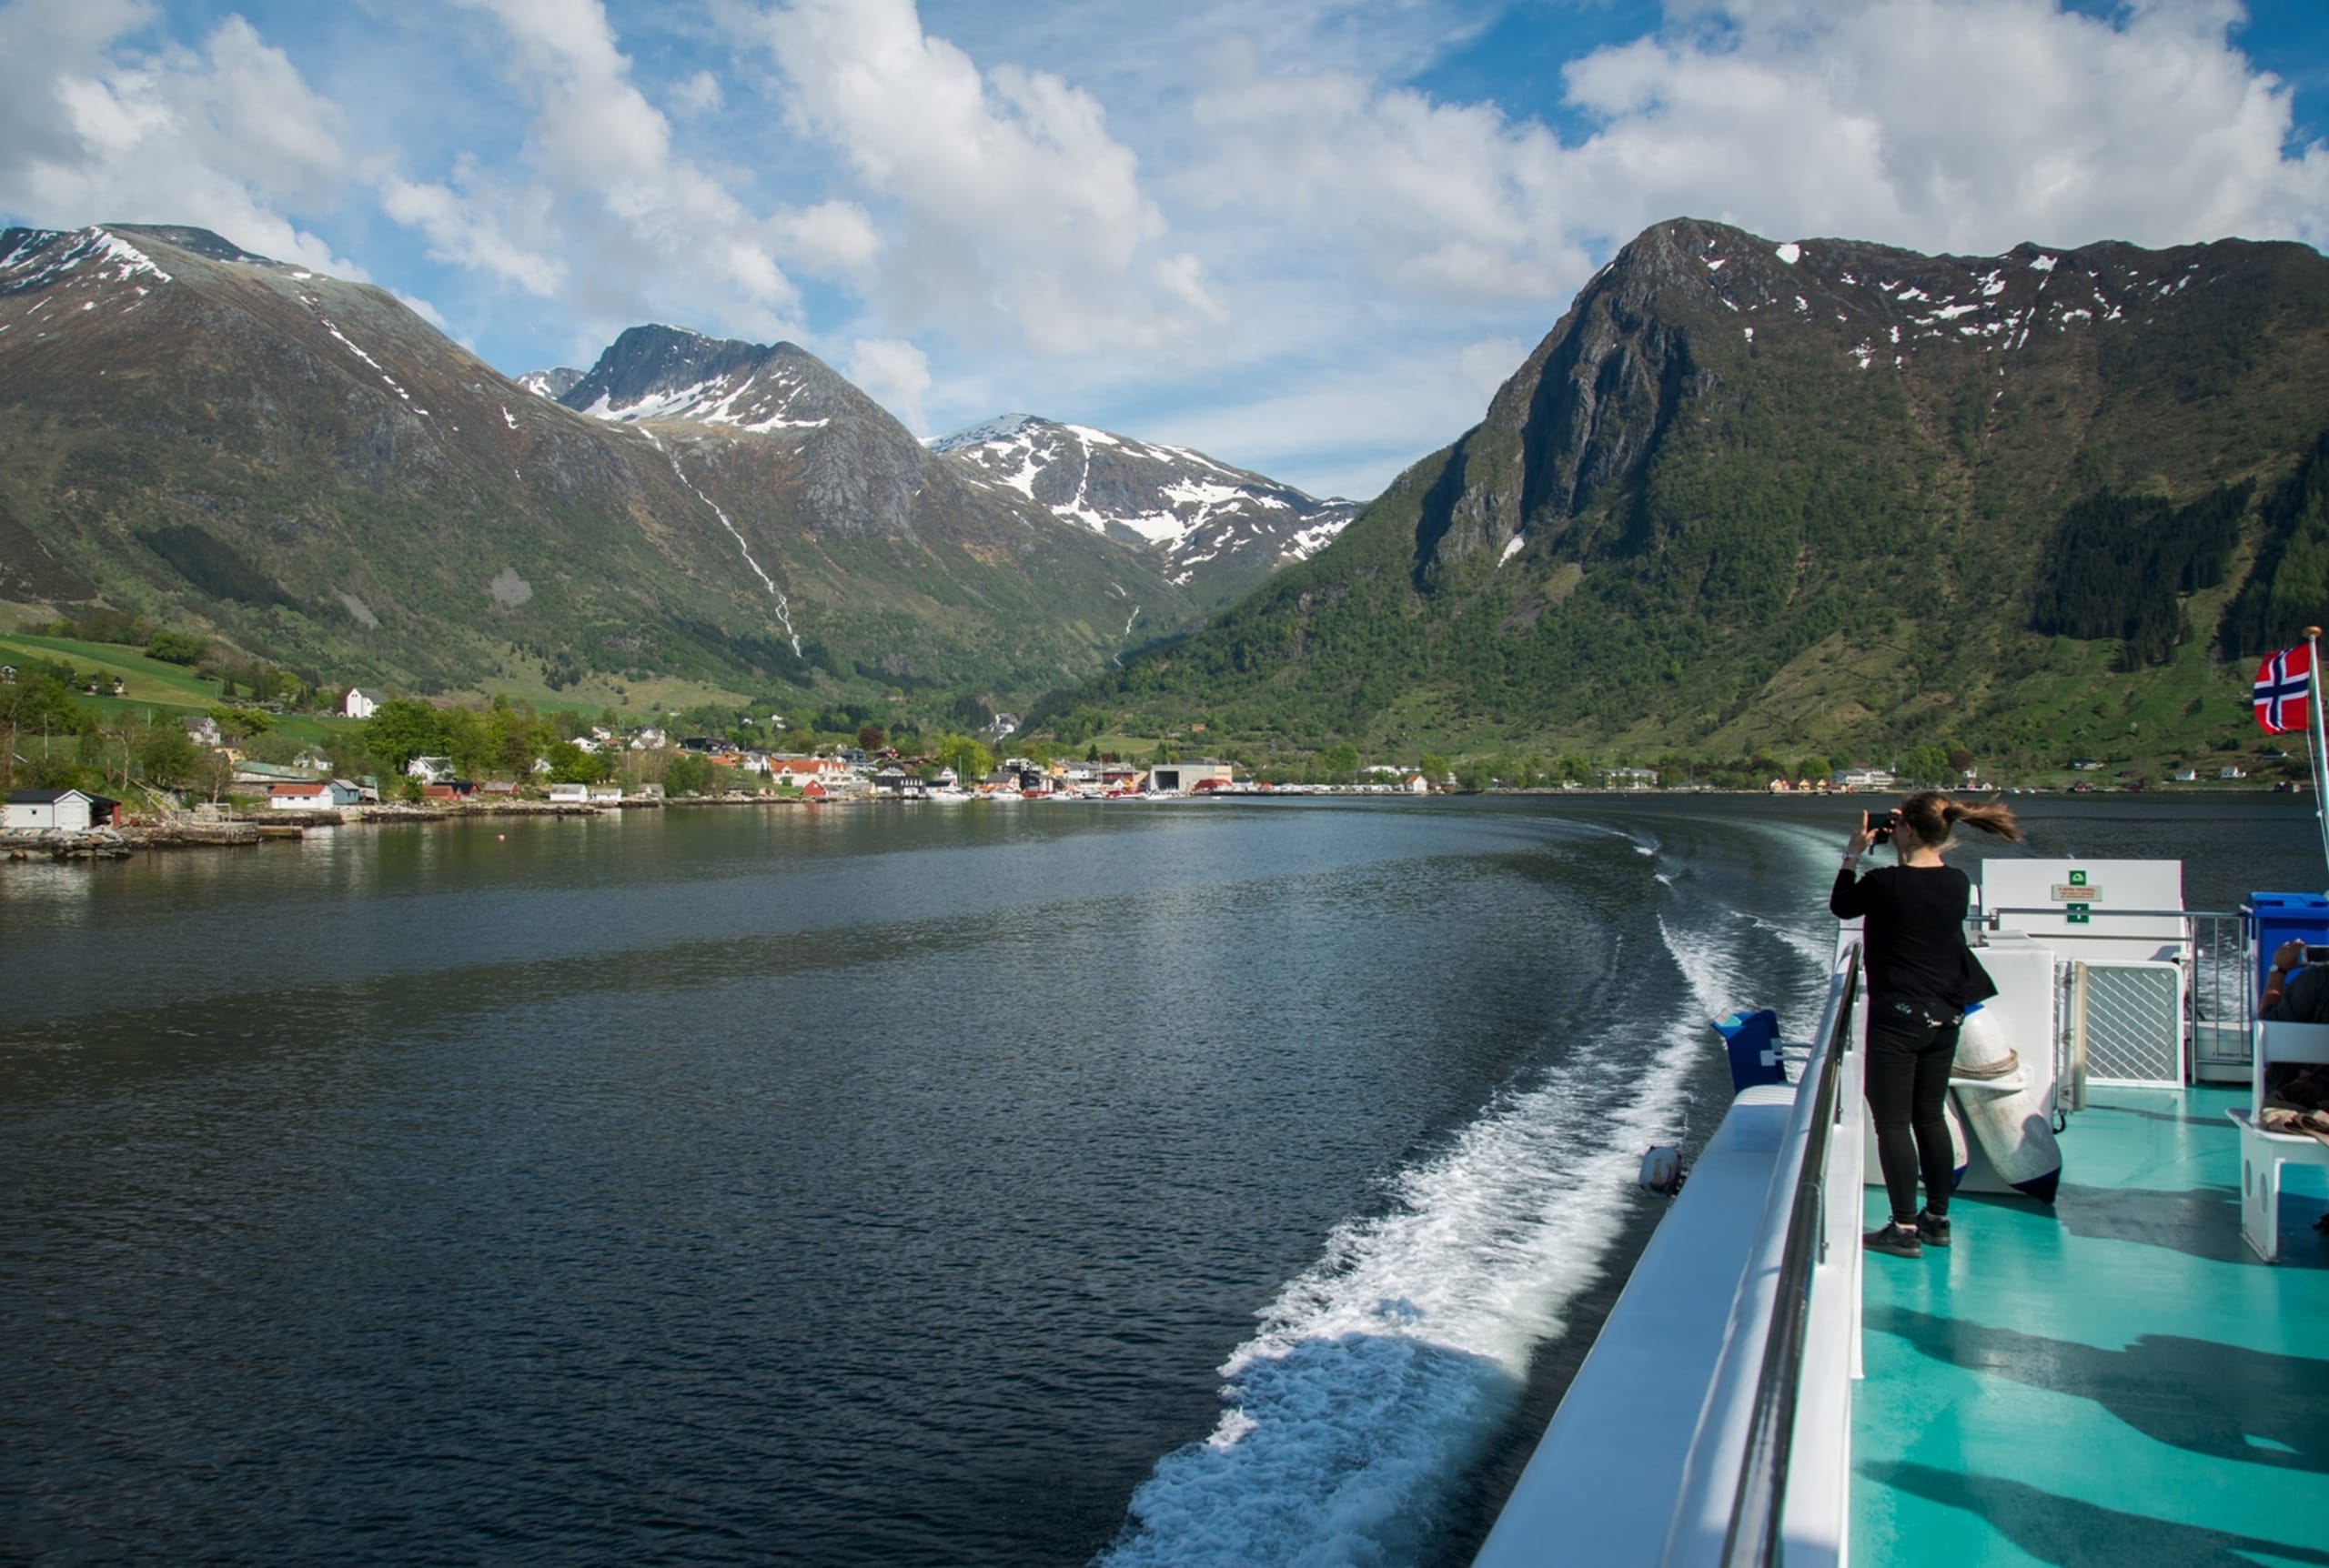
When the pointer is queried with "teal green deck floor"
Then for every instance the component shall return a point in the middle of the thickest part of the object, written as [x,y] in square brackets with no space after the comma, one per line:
[2115,1380]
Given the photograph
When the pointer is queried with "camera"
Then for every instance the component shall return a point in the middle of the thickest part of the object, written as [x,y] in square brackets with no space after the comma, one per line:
[1880,828]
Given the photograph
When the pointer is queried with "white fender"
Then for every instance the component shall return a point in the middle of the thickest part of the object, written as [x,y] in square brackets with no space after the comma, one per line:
[2009,1120]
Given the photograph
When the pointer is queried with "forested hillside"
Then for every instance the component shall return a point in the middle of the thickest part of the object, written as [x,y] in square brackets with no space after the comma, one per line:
[1824,497]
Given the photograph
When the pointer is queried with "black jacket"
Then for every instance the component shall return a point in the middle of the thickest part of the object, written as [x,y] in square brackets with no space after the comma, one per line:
[1913,925]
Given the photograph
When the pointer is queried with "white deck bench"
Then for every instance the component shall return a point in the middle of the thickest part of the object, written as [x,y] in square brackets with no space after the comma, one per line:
[2262,1153]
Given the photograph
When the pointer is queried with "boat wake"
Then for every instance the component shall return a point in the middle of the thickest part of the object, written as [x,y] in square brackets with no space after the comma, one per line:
[1382,1373]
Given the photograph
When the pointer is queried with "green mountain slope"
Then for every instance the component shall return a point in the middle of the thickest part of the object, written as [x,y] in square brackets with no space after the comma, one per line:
[1824,497]
[303,467]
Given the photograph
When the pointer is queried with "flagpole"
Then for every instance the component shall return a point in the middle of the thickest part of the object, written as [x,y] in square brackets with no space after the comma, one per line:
[2316,740]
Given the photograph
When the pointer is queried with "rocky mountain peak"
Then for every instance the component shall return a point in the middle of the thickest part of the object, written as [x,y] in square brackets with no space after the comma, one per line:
[199,241]
[1001,427]
[1202,516]
[553,384]
[658,372]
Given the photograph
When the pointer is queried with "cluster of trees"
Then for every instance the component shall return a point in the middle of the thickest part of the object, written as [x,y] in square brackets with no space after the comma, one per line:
[499,740]
[2119,564]
[50,740]
[2289,589]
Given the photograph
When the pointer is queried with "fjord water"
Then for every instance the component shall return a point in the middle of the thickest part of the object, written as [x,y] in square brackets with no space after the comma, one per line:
[1211,1184]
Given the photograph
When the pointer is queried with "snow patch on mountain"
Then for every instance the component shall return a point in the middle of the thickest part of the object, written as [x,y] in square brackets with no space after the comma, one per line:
[1189,507]
[553,384]
[1000,428]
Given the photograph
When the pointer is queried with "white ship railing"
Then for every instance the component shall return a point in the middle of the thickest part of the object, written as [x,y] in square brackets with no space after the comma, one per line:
[1711,1420]
[2216,950]
[1735,1490]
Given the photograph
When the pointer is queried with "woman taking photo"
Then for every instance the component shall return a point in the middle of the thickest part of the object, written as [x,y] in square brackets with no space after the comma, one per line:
[1921,977]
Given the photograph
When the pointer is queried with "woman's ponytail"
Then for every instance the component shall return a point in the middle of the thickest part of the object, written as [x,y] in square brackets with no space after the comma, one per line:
[1989,816]
[1933,815]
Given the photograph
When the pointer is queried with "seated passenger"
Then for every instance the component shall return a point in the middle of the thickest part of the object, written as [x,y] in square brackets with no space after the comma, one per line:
[2295,993]
[2294,990]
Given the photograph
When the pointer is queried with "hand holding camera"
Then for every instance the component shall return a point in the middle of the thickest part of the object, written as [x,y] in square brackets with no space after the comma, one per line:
[1873,830]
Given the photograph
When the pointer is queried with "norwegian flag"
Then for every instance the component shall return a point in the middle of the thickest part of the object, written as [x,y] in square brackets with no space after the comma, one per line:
[2284,682]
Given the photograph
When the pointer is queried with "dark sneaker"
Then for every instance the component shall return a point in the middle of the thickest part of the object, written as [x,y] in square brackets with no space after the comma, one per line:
[1893,1240]
[1932,1229]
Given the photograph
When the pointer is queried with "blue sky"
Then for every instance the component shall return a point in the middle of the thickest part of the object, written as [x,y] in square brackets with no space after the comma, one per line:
[1309,237]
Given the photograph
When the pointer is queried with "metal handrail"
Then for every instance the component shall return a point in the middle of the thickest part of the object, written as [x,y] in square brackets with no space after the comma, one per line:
[1989,917]
[1760,1510]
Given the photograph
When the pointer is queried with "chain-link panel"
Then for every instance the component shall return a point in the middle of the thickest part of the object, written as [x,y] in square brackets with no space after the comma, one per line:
[2130,1019]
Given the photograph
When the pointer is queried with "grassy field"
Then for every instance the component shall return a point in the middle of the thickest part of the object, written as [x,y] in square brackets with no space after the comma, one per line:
[143,679]
[150,684]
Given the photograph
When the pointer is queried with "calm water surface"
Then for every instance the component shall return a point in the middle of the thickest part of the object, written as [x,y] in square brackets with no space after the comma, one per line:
[1219,1183]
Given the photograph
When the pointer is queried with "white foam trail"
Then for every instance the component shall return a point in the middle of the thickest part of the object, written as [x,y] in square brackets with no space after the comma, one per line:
[1378,1374]
[783,608]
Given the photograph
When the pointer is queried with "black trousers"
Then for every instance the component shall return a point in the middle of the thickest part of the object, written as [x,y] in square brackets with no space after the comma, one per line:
[1909,1057]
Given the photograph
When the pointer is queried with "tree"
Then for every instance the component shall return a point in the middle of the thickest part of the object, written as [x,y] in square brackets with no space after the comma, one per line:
[213,773]
[1434,768]
[177,648]
[1925,764]
[872,737]
[1340,761]
[167,756]
[401,730]
[37,704]
[569,764]
[687,774]
[241,723]
[966,755]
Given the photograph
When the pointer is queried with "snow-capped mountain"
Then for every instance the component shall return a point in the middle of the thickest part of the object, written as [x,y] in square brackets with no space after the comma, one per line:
[301,468]
[553,384]
[658,372]
[1207,529]
[1203,519]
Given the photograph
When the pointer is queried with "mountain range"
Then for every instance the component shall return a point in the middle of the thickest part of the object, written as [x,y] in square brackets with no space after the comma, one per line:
[1806,496]
[1822,496]
[304,468]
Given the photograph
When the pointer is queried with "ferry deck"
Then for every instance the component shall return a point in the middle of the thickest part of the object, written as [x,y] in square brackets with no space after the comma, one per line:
[2118,1379]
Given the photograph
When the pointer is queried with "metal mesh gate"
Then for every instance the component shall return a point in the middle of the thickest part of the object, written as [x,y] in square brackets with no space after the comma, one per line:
[2127,1019]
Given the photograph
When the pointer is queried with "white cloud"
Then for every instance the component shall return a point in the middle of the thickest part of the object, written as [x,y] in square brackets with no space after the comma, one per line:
[1952,125]
[1488,364]
[894,374]
[1011,209]
[831,239]
[226,137]
[464,224]
[423,309]
[699,94]
[1937,124]
[1445,200]
[618,224]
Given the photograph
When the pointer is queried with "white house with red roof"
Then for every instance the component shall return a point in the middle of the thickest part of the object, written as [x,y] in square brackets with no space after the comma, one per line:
[326,795]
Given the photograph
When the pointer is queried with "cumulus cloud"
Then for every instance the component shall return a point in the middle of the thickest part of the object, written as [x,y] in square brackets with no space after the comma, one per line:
[831,239]
[894,374]
[699,94]
[615,221]
[1937,124]
[227,136]
[1011,207]
[1952,125]
[465,222]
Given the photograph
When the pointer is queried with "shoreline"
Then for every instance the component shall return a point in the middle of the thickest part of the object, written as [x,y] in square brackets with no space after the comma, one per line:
[204,830]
